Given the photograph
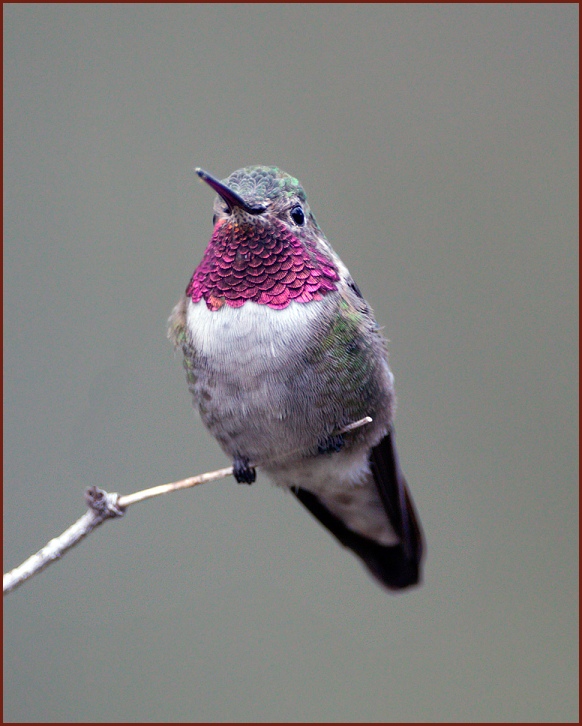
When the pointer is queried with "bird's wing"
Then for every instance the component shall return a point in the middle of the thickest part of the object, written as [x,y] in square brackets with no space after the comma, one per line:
[395,566]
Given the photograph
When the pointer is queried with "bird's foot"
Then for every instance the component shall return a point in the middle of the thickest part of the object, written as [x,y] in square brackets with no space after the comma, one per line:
[243,473]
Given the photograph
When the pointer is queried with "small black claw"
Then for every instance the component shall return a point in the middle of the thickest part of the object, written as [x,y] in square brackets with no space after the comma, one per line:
[243,473]
[331,445]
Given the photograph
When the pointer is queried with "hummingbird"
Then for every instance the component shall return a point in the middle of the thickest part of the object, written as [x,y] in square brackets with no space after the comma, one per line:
[289,370]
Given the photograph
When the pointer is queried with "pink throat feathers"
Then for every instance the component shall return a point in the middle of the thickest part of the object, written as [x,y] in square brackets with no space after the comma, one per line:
[265,264]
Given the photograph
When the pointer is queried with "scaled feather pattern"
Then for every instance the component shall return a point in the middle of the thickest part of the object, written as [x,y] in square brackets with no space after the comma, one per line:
[267,265]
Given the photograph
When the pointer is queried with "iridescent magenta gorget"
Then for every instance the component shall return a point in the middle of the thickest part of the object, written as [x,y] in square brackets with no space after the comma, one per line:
[261,261]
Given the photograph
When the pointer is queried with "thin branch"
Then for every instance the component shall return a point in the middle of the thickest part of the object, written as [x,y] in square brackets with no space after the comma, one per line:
[103,505]
[356,425]
[129,499]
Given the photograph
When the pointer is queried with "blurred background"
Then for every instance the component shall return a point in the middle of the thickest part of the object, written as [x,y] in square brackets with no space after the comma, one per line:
[438,145]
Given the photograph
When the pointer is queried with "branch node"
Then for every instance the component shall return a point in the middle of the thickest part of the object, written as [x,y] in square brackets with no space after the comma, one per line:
[103,503]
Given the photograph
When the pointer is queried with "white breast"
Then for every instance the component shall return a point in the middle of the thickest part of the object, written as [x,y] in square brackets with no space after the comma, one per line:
[248,354]
[248,361]
[253,338]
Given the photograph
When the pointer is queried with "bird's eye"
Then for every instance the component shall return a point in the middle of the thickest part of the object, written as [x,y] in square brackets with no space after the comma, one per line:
[297,215]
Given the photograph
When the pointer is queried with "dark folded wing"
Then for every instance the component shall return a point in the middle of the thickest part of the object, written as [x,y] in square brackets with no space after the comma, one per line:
[396,496]
[395,566]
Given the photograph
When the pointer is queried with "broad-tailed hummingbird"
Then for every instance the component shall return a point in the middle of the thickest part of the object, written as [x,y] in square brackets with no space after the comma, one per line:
[289,369]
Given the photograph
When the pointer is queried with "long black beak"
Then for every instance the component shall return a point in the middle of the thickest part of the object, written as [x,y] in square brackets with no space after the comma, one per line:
[231,198]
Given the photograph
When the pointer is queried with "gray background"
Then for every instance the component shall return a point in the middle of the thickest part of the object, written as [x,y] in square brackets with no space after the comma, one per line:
[438,145]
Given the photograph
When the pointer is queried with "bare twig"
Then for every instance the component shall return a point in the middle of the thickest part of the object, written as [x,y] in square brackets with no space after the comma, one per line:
[356,425]
[103,505]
